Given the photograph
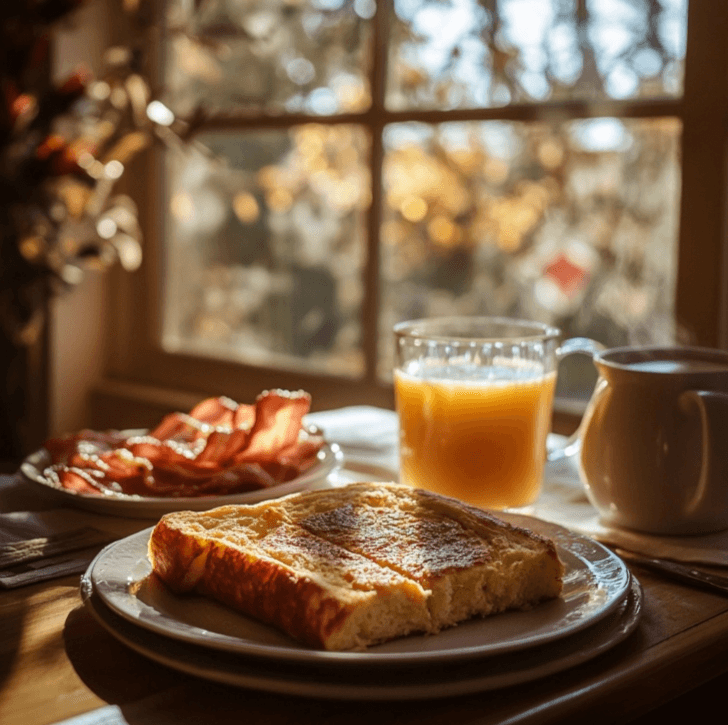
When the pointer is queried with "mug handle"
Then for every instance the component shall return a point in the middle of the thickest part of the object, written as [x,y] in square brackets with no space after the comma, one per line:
[712,406]
[572,346]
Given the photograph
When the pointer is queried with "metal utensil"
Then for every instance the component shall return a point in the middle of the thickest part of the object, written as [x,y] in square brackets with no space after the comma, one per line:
[685,573]
[39,559]
[26,550]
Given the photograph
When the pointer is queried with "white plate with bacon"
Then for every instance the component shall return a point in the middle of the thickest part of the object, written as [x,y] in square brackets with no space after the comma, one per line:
[221,452]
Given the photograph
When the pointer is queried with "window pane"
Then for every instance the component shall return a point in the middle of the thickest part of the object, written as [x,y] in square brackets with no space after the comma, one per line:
[573,223]
[265,254]
[268,55]
[488,53]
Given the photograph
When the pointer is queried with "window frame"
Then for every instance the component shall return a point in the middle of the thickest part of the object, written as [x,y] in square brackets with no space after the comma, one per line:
[141,379]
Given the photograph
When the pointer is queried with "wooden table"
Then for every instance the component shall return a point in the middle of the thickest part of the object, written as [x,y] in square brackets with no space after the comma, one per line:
[57,662]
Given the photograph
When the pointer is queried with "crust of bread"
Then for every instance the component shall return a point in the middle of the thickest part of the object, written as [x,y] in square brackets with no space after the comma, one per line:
[349,567]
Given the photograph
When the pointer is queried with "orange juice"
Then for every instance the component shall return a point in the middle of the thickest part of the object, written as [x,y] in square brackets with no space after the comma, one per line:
[482,441]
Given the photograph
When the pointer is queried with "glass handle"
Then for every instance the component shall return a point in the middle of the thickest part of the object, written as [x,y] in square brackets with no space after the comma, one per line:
[573,346]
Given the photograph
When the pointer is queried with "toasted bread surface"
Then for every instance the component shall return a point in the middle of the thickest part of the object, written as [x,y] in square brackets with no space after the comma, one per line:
[349,567]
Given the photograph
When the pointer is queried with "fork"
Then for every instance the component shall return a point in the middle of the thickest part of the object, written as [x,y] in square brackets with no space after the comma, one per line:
[43,558]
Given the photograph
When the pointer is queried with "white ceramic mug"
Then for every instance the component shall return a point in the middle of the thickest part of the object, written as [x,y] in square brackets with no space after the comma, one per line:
[654,439]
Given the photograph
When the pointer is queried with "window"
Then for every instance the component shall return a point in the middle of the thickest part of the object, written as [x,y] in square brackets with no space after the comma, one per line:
[360,163]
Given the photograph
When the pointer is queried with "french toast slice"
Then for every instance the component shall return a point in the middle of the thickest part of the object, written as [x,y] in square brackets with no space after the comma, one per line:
[252,560]
[349,567]
[472,563]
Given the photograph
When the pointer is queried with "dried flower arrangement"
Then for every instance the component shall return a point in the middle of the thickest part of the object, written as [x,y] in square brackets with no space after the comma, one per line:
[63,148]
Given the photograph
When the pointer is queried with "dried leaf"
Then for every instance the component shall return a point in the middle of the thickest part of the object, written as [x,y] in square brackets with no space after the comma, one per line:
[128,146]
[139,95]
[129,251]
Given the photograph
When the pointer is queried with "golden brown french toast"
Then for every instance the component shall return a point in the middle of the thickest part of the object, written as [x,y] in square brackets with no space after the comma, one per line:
[349,567]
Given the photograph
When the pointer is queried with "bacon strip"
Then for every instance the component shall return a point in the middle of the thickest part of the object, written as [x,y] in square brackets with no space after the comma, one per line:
[219,447]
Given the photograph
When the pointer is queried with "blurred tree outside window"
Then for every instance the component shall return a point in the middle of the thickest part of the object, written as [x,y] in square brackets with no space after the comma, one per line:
[361,163]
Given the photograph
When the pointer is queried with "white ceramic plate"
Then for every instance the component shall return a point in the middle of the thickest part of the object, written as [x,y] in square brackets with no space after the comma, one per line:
[375,683]
[330,458]
[595,583]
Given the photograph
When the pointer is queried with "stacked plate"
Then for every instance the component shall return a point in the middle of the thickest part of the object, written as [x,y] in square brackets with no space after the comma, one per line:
[600,607]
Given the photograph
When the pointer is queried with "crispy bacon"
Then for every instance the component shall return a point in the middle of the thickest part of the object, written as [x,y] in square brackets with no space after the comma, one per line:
[219,447]
[63,448]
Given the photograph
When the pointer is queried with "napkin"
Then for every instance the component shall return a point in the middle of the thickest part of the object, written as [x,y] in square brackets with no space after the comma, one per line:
[563,501]
[368,437]
[108,715]
[21,525]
